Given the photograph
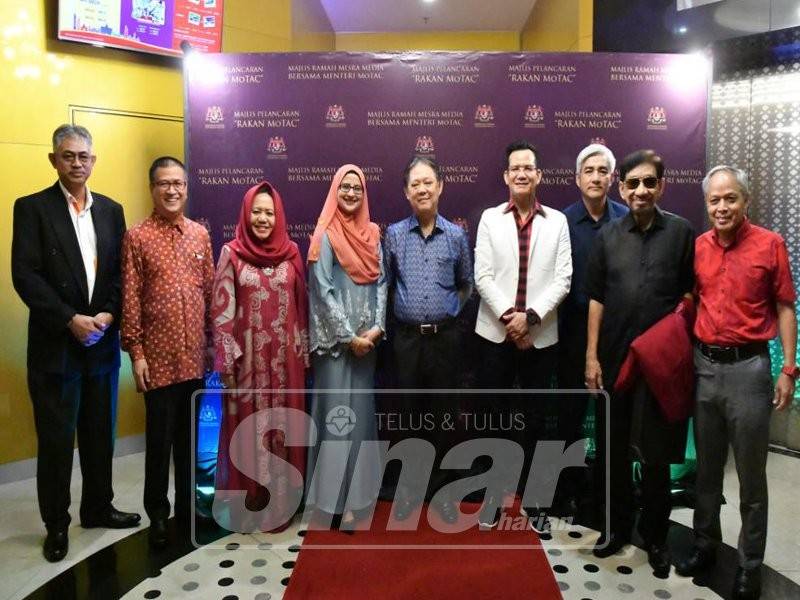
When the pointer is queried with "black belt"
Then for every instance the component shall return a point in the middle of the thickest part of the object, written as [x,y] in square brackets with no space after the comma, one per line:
[729,354]
[427,328]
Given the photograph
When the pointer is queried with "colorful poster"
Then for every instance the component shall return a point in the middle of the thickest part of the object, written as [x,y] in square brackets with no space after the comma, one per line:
[156,26]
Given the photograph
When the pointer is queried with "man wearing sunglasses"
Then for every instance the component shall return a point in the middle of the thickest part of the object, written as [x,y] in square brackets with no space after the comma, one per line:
[640,268]
[745,297]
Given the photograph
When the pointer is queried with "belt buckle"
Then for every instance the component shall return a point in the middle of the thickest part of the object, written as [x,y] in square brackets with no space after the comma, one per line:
[714,354]
[427,328]
[725,354]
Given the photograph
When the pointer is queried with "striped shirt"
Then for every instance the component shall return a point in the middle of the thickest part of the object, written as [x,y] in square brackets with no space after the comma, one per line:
[524,228]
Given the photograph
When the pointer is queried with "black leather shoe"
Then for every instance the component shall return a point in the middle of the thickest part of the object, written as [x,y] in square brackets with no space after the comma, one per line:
[658,557]
[609,545]
[403,507]
[158,533]
[747,585]
[56,545]
[447,510]
[697,563]
[115,519]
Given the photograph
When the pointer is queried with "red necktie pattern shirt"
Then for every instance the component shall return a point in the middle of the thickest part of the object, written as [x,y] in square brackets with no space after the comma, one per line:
[167,278]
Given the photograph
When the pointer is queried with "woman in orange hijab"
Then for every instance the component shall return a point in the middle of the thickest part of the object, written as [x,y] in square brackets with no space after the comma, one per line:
[347,309]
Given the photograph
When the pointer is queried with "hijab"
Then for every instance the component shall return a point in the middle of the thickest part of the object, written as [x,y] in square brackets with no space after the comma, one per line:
[354,238]
[277,248]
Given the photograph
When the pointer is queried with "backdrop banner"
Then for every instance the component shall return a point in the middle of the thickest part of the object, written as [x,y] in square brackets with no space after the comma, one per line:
[294,118]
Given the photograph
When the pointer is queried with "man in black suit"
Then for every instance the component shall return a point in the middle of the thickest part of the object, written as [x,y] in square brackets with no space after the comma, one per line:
[65,266]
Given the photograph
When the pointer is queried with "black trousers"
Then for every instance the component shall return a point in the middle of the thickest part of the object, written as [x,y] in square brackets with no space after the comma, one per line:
[571,409]
[429,361]
[168,430]
[63,404]
[656,501]
[504,366]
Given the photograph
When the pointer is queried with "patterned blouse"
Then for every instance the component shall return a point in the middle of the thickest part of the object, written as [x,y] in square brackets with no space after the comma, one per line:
[339,309]
[167,275]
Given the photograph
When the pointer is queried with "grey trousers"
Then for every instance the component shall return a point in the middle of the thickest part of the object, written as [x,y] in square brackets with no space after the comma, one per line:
[734,405]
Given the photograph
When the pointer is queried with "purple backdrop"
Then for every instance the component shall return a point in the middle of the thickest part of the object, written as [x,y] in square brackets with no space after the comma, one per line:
[294,118]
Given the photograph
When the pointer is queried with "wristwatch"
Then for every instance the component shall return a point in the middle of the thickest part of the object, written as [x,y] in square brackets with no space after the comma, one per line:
[532,317]
[791,371]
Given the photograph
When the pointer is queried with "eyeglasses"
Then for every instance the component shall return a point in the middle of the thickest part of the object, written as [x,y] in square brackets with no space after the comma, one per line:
[69,157]
[165,185]
[346,188]
[650,183]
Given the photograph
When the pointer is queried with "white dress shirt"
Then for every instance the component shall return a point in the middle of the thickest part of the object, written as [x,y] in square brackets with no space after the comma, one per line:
[84,230]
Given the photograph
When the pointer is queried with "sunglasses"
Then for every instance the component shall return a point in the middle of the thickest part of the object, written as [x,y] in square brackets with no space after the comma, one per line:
[650,183]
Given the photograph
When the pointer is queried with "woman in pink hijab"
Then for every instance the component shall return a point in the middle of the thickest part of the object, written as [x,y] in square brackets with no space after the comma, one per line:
[260,317]
[347,301]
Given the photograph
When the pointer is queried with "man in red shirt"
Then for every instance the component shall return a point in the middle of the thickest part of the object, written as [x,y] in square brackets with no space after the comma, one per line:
[744,297]
[167,276]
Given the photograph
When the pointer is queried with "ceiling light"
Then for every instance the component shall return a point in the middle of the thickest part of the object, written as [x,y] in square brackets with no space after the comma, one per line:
[683,29]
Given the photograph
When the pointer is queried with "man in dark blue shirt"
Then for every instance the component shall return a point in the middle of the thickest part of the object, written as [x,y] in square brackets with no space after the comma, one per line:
[430,277]
[594,173]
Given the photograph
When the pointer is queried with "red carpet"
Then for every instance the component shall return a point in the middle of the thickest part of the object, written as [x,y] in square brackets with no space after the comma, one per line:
[491,571]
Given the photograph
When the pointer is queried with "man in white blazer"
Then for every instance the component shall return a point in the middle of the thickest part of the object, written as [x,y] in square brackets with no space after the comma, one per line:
[523,267]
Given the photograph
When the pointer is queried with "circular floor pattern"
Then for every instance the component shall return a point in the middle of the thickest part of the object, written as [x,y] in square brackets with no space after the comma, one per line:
[249,567]
[245,567]
[626,574]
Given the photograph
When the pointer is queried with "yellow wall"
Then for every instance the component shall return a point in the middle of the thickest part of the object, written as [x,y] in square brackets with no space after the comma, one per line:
[118,95]
[133,104]
[559,26]
[501,41]
[311,28]
[257,26]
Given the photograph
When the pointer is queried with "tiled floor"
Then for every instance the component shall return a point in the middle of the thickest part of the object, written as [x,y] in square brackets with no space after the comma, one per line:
[258,566]
[241,566]
[626,574]
[783,538]
[22,567]
[248,567]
